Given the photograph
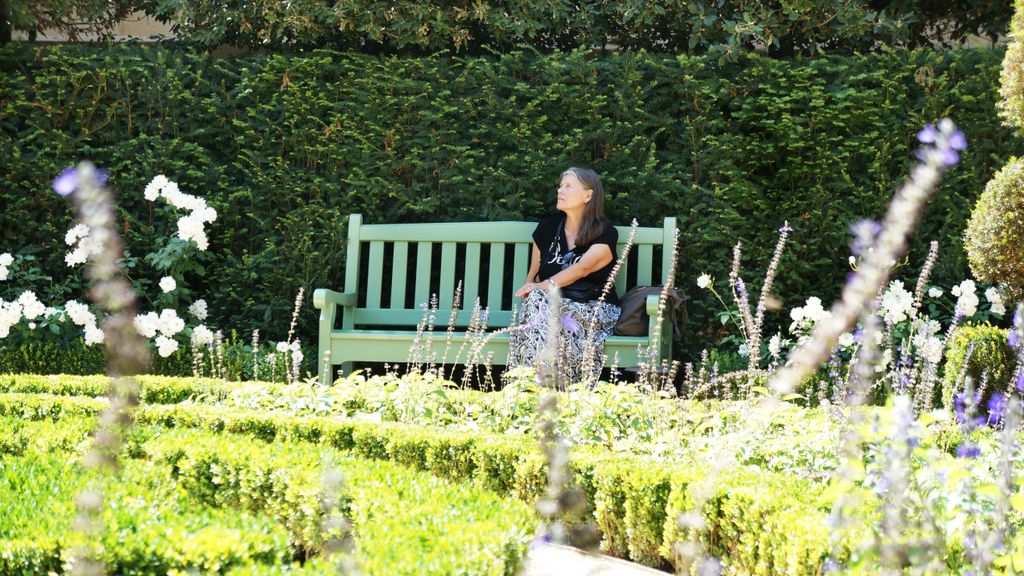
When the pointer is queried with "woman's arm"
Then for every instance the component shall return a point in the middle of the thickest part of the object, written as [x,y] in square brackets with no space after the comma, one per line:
[597,257]
[531,275]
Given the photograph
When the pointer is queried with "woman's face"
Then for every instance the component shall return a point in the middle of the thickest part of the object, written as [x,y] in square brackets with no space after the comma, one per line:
[572,194]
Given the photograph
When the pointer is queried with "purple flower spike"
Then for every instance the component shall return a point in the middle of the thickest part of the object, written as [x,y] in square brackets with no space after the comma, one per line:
[968,451]
[1013,338]
[959,406]
[570,324]
[957,140]
[950,157]
[996,408]
[65,183]
[1019,382]
[928,134]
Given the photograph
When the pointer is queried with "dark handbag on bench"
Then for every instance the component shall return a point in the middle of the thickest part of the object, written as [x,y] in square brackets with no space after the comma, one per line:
[634,320]
[584,294]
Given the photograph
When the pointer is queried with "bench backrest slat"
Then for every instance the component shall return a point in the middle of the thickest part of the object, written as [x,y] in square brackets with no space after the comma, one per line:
[644,264]
[424,253]
[447,287]
[471,286]
[521,263]
[496,275]
[374,270]
[474,253]
[399,268]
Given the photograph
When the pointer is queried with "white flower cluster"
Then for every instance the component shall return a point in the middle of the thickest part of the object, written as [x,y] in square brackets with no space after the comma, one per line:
[996,300]
[897,304]
[846,340]
[5,261]
[294,347]
[929,345]
[84,245]
[190,226]
[31,307]
[812,311]
[167,284]
[967,298]
[79,314]
[202,336]
[775,345]
[198,309]
[167,324]
[10,314]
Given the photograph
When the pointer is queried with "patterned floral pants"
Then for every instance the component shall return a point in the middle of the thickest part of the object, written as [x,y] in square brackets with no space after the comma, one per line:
[577,348]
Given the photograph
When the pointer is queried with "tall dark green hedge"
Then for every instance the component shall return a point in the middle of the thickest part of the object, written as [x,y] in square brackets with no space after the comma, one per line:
[286,146]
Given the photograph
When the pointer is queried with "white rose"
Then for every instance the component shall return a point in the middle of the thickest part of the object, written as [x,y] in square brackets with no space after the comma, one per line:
[846,339]
[169,323]
[797,314]
[703,281]
[3,273]
[201,336]
[168,284]
[282,347]
[198,309]
[935,292]
[147,324]
[93,335]
[31,307]
[6,259]
[166,346]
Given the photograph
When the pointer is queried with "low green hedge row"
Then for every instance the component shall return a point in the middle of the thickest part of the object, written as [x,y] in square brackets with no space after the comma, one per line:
[635,501]
[152,389]
[405,522]
[149,526]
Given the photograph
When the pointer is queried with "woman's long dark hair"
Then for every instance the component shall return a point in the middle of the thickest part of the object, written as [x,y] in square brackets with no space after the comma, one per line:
[593,221]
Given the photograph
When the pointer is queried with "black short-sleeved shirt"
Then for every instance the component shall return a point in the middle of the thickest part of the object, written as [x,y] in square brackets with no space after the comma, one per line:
[556,256]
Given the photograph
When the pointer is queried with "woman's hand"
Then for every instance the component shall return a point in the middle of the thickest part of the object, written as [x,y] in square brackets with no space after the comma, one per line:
[525,289]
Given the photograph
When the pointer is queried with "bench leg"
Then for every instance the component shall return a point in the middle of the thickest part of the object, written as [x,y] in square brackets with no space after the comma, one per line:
[326,373]
[346,368]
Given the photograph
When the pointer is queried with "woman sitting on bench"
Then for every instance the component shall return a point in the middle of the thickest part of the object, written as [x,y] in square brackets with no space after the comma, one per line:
[575,251]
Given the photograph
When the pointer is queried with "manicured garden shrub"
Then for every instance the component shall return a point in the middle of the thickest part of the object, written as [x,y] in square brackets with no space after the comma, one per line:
[994,238]
[767,517]
[1011,79]
[991,360]
[285,146]
[193,476]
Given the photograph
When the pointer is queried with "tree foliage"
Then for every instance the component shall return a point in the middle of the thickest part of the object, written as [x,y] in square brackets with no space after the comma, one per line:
[725,29]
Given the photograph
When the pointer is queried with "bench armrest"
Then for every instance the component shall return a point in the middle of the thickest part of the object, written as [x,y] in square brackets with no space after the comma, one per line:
[328,301]
[664,336]
[323,297]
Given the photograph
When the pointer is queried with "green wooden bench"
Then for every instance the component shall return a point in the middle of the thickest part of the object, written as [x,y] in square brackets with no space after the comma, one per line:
[392,270]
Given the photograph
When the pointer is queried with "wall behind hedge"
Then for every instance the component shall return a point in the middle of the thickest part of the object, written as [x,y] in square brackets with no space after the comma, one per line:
[285,146]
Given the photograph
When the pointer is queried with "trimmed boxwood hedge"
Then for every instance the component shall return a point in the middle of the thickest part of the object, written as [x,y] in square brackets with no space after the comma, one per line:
[404,521]
[635,512]
[285,146]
